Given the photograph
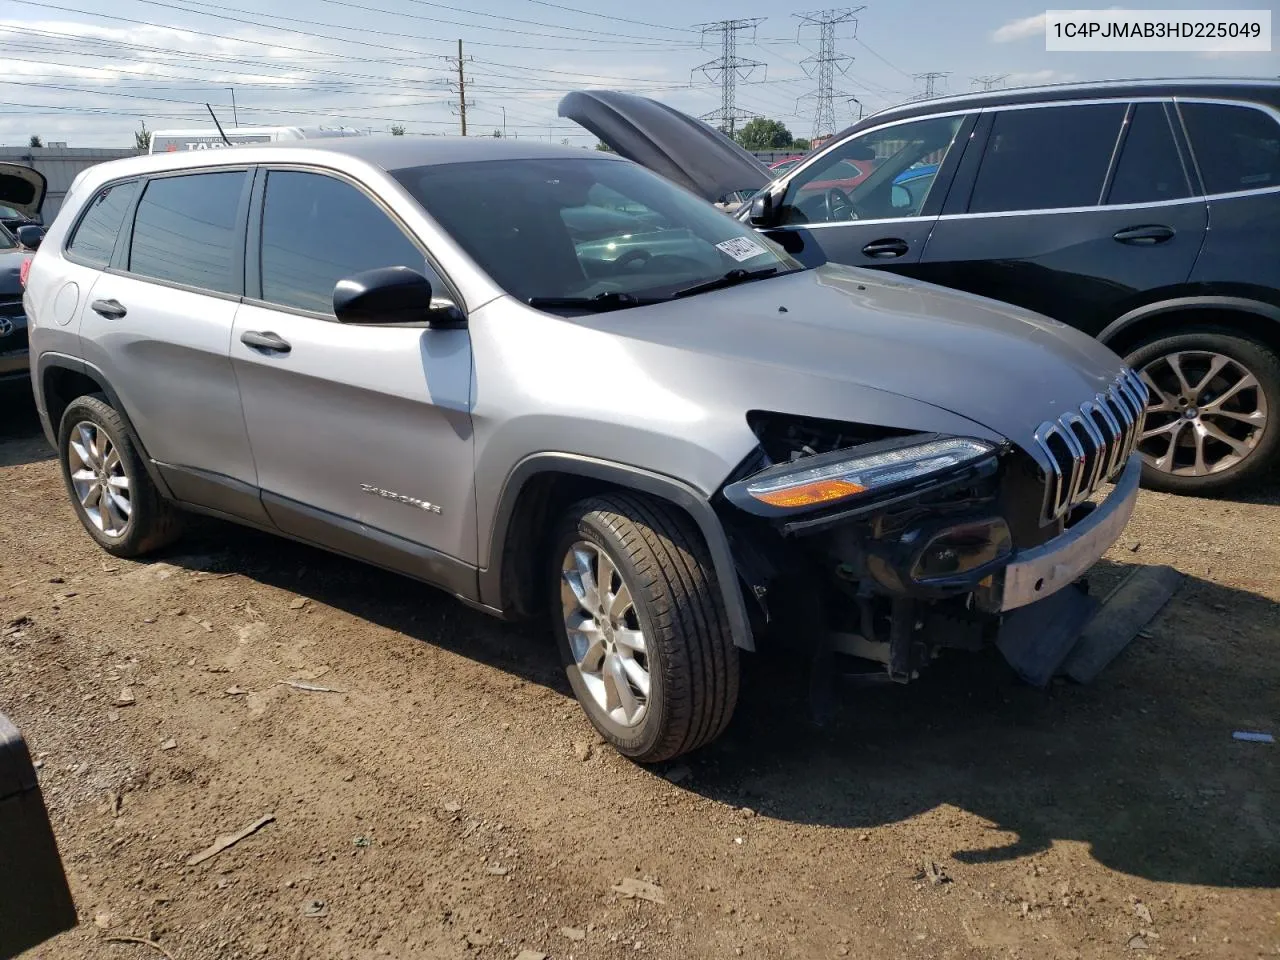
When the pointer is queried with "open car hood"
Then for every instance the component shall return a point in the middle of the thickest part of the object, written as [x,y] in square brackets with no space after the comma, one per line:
[687,151]
[22,188]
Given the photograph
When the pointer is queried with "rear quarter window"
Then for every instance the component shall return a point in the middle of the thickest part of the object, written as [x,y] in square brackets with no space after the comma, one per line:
[1236,147]
[95,235]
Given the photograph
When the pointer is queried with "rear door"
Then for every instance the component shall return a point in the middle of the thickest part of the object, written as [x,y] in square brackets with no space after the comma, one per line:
[1237,150]
[158,323]
[361,434]
[1078,211]
[873,200]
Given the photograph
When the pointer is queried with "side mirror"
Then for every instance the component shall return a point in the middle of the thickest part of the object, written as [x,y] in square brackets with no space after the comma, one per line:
[899,197]
[30,236]
[390,295]
[762,211]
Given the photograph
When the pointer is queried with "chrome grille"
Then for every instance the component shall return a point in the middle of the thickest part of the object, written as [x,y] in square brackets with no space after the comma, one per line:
[1091,445]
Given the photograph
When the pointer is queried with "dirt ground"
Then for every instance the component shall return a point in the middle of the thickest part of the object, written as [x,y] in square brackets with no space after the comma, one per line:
[450,800]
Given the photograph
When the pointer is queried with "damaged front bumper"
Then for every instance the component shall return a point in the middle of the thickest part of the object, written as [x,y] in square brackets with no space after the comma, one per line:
[861,582]
[1041,571]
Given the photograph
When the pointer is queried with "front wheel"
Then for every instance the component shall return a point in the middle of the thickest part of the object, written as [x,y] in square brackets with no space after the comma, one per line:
[1211,418]
[642,628]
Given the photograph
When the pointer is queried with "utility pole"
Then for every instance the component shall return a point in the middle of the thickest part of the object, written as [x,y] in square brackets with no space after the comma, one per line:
[459,61]
[990,80]
[235,117]
[930,84]
[824,64]
[728,69]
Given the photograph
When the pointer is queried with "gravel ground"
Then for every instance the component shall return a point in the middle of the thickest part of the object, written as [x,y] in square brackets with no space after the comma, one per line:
[443,797]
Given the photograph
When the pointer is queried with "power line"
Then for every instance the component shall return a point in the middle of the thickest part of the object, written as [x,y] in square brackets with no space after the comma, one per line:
[826,62]
[728,69]
[605,16]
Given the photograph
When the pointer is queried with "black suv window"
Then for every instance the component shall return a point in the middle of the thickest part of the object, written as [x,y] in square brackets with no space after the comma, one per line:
[95,237]
[185,231]
[886,173]
[1236,148]
[316,230]
[1046,158]
[1149,169]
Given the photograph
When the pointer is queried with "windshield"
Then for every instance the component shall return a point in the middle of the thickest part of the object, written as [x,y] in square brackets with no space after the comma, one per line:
[567,228]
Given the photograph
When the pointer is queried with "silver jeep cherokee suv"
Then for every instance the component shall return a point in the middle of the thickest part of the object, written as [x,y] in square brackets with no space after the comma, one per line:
[553,382]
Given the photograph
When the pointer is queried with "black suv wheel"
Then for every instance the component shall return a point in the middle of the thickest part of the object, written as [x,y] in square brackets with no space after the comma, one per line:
[1212,415]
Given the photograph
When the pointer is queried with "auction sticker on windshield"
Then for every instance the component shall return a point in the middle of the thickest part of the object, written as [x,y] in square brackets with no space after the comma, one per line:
[741,248]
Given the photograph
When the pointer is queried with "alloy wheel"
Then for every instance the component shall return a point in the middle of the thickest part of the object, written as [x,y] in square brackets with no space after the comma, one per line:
[99,479]
[609,646]
[1206,413]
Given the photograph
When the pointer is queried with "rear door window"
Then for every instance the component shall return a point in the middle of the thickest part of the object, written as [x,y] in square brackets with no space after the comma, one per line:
[1047,158]
[95,236]
[1236,148]
[1150,169]
[185,231]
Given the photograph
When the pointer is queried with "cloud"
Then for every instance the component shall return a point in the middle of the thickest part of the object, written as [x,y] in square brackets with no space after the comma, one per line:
[1020,29]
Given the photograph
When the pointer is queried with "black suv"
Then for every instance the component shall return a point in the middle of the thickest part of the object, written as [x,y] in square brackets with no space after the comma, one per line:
[1146,213]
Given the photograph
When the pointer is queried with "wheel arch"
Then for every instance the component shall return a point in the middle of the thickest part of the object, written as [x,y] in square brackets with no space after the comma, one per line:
[60,379]
[1255,318]
[541,486]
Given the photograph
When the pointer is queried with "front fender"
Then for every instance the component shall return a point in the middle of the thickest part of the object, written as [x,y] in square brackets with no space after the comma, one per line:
[629,477]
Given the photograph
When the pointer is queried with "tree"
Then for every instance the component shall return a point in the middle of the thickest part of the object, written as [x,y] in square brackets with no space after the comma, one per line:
[801,145]
[497,134]
[35,141]
[397,130]
[761,133]
[142,139]
[603,147]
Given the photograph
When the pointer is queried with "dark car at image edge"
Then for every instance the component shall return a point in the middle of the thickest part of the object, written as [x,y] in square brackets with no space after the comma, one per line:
[1144,212]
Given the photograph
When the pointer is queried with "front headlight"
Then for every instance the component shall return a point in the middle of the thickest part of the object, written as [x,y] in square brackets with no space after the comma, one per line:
[866,470]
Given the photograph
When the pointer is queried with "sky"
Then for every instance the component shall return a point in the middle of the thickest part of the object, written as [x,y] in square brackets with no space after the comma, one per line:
[90,72]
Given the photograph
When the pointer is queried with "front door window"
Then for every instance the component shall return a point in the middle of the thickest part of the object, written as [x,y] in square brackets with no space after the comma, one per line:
[883,174]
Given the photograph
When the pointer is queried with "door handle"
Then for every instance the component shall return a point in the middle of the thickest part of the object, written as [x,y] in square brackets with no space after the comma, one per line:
[111,309]
[885,249]
[1145,236]
[266,340]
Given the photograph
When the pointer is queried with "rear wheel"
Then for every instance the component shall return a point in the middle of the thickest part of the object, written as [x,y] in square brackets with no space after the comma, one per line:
[641,625]
[1211,419]
[109,488]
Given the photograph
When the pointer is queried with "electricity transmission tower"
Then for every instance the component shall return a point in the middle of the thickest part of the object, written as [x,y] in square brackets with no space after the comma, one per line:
[824,64]
[930,81]
[990,81]
[728,69]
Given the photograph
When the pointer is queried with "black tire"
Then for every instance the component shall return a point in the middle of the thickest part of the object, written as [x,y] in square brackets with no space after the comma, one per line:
[1258,359]
[153,521]
[691,659]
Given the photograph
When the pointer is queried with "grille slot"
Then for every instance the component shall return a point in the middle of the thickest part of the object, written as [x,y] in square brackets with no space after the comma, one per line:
[1091,445]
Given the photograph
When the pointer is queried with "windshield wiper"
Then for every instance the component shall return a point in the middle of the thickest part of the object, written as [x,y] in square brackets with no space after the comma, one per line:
[731,279]
[609,300]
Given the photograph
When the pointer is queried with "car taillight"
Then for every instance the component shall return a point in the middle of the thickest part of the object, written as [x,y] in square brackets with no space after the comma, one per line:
[24,270]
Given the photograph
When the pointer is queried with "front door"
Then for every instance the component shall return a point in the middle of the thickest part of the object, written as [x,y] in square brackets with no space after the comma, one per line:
[361,434]
[1075,211]
[872,201]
